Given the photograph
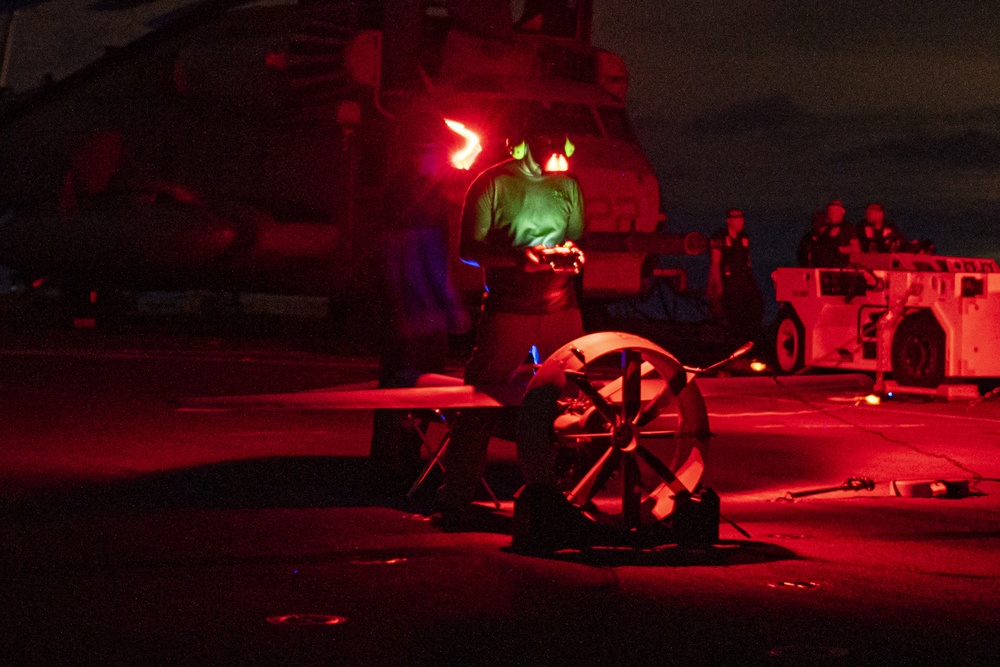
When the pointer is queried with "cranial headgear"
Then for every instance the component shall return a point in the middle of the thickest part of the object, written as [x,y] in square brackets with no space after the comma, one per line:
[549,144]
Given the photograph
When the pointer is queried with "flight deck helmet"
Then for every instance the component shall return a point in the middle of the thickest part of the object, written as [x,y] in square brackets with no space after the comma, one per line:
[547,140]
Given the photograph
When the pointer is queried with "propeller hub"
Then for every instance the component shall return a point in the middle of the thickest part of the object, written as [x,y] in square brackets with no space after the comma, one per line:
[623,437]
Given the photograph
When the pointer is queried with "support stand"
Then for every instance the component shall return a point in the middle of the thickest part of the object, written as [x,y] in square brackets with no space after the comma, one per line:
[436,448]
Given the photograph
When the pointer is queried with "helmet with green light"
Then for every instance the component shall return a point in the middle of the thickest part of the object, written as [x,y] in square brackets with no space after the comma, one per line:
[546,141]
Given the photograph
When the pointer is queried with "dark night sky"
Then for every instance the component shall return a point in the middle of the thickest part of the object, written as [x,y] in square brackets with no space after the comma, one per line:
[780,105]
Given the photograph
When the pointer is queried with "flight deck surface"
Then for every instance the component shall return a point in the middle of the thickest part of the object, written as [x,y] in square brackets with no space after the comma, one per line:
[140,532]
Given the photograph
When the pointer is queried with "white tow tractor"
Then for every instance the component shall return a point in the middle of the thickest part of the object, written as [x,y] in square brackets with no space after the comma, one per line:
[925,321]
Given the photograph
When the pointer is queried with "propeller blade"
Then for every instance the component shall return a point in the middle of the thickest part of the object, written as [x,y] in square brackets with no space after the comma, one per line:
[631,498]
[631,385]
[590,391]
[661,469]
[585,489]
[686,479]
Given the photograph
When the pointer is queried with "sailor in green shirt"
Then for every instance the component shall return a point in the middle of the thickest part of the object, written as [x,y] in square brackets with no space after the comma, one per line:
[511,210]
[516,214]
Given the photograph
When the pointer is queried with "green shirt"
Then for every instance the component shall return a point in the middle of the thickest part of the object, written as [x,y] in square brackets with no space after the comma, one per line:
[508,209]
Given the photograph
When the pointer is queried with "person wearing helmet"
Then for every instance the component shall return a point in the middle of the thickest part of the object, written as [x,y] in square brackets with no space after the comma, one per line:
[516,218]
[832,244]
[877,234]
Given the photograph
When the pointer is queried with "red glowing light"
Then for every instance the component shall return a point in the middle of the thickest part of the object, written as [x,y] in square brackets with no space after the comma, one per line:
[276,61]
[306,619]
[465,156]
[557,162]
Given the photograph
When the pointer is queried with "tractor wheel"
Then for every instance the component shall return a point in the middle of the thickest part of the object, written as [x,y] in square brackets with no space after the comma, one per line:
[918,351]
[789,341]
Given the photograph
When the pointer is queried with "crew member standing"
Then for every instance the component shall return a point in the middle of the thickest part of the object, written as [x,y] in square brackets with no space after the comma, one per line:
[422,304]
[732,291]
[512,213]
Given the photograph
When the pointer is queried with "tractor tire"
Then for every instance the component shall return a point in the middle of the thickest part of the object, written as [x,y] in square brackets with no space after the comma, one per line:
[789,341]
[918,348]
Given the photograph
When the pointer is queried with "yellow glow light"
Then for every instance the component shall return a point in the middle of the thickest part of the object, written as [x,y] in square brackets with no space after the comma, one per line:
[758,366]
[465,156]
[873,399]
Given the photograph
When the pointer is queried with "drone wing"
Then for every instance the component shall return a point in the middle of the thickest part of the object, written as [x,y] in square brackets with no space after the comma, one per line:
[432,392]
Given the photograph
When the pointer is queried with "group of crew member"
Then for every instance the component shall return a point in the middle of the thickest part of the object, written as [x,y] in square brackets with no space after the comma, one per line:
[732,293]
[831,240]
